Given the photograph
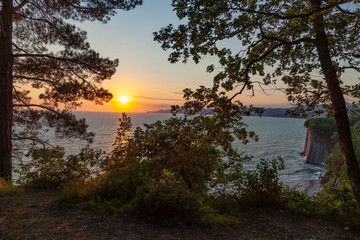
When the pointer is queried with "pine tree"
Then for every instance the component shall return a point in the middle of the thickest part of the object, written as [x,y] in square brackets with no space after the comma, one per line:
[42,49]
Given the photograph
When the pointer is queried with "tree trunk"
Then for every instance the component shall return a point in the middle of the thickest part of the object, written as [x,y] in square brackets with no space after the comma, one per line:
[6,84]
[338,102]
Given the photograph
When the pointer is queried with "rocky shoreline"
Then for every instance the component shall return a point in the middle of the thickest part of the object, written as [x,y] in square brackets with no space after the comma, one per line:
[310,187]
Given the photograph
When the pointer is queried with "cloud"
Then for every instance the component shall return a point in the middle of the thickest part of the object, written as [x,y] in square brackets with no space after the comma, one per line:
[160,99]
[167,106]
[163,106]
[177,93]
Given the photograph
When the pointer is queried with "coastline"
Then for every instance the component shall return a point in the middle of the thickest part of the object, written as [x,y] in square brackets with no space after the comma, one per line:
[310,187]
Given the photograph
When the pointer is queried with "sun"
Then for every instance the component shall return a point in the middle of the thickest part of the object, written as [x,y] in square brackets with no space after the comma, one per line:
[123,99]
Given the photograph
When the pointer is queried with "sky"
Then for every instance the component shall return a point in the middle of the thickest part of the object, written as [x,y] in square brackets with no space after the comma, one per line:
[144,74]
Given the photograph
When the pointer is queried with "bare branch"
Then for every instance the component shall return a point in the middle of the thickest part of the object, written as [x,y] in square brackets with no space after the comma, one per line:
[37,105]
[345,11]
[32,138]
[36,79]
[21,5]
[19,98]
[348,67]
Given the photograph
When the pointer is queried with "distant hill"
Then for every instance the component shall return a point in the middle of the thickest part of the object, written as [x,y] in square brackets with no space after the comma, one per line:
[160,111]
[274,112]
[268,112]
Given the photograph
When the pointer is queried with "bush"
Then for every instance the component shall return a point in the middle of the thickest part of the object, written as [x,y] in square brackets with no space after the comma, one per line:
[336,174]
[164,200]
[165,171]
[261,186]
[50,167]
[180,170]
[8,189]
[251,188]
[336,204]
[183,169]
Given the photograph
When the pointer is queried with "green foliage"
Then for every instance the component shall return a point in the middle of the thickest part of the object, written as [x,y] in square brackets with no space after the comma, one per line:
[63,76]
[165,169]
[250,188]
[7,188]
[321,126]
[50,167]
[155,174]
[327,126]
[354,119]
[336,174]
[261,186]
[337,204]
[271,41]
[292,41]
[180,169]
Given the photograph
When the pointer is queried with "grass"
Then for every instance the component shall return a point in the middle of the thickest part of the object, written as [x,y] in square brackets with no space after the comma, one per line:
[8,189]
[33,214]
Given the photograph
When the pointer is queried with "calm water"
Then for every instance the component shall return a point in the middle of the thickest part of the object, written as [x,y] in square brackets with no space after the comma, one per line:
[283,137]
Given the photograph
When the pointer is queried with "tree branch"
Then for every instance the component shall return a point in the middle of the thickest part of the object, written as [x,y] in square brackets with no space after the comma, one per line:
[36,79]
[300,40]
[37,105]
[32,138]
[349,67]
[83,79]
[21,5]
[26,54]
[345,11]
[19,98]
[284,17]
[249,65]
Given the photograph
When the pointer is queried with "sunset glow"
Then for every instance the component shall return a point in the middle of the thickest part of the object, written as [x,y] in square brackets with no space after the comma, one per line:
[123,99]
[145,80]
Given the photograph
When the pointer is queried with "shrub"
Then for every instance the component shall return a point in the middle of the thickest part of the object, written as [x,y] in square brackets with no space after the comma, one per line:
[251,188]
[50,167]
[164,171]
[7,188]
[336,203]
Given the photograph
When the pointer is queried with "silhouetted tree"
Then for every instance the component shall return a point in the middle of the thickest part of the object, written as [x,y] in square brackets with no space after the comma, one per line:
[288,40]
[41,48]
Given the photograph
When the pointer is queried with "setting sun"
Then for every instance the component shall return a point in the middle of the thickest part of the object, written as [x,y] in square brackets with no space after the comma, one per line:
[123,99]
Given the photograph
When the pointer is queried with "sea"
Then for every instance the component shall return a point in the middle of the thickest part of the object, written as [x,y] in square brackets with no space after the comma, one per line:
[283,137]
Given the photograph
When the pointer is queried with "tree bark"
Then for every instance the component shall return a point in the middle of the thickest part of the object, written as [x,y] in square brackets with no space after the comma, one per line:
[338,103]
[6,85]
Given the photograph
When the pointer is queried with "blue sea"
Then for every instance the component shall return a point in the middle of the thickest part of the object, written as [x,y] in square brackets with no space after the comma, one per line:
[283,137]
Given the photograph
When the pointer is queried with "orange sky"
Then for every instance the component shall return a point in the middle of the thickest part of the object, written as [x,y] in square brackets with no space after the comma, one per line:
[138,102]
[144,73]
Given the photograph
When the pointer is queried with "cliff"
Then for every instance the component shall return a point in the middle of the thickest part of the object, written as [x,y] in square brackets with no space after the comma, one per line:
[317,148]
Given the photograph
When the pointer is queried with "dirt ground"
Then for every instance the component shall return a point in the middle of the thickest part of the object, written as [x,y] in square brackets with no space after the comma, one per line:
[32,215]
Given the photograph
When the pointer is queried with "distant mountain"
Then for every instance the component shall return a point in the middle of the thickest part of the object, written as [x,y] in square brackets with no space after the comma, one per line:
[274,112]
[268,112]
[160,111]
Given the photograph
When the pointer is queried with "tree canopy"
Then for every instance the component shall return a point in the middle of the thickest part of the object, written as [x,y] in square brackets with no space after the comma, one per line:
[277,41]
[307,45]
[43,50]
